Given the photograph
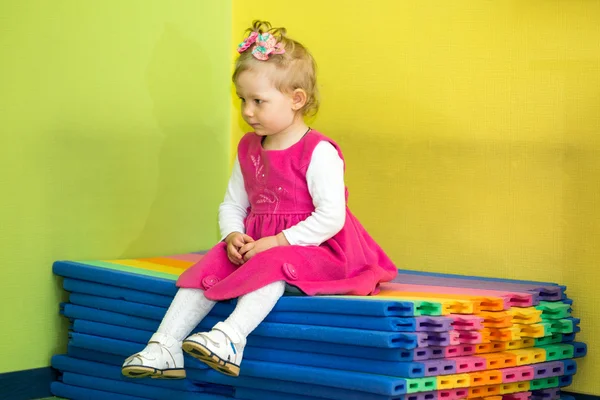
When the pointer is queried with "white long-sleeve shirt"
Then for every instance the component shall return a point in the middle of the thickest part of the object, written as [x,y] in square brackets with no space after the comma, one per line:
[325,179]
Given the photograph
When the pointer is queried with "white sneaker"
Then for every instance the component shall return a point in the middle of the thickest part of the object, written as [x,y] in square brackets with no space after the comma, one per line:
[162,358]
[221,349]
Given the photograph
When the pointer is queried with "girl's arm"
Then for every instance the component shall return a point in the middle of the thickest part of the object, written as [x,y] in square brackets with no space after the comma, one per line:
[325,178]
[234,208]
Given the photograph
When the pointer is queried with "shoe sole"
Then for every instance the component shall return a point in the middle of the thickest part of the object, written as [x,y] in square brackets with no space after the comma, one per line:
[139,371]
[209,358]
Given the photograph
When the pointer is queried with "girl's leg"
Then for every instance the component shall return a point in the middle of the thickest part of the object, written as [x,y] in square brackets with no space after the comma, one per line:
[254,307]
[223,347]
[163,357]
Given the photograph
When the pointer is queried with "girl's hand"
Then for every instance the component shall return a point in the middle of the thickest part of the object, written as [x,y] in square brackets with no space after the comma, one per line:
[235,241]
[249,250]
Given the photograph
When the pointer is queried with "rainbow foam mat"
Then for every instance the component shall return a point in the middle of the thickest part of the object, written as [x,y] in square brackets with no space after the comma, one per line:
[423,337]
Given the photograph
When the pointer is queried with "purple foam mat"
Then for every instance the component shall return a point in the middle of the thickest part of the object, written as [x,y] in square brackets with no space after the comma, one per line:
[438,339]
[548,369]
[546,394]
[433,324]
[545,292]
[439,367]
[464,349]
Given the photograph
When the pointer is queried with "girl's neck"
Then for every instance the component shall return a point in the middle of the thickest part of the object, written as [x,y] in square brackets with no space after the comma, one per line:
[286,138]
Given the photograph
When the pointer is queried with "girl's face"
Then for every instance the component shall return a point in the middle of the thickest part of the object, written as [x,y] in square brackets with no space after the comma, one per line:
[264,107]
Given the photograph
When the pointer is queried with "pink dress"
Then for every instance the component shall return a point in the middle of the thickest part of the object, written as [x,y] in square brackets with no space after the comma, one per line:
[349,263]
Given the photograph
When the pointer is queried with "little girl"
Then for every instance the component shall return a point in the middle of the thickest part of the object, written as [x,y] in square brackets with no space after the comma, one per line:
[284,219]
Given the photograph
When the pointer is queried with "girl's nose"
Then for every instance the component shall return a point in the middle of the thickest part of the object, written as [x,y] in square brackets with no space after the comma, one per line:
[247,110]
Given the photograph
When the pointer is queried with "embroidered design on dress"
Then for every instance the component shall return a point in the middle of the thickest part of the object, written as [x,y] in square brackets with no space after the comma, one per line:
[258,167]
[270,197]
[266,195]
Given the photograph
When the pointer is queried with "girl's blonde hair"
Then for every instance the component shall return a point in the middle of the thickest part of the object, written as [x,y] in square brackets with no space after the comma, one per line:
[296,68]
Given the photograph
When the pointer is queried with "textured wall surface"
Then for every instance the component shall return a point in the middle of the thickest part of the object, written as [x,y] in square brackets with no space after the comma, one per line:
[115,132]
[471,132]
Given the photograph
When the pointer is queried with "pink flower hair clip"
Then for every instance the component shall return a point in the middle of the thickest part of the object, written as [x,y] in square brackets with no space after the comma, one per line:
[265,44]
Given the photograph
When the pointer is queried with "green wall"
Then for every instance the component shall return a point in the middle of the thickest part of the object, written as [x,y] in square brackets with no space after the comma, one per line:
[114,141]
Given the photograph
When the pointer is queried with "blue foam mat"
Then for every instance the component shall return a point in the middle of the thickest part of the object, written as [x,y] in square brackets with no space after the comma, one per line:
[110,364]
[545,394]
[392,324]
[565,380]
[113,360]
[269,388]
[326,304]
[71,269]
[115,292]
[257,394]
[60,389]
[363,322]
[134,389]
[370,383]
[579,349]
[397,355]
[400,369]
[120,348]
[117,320]
[568,337]
[260,394]
[569,367]
[224,309]
[261,369]
[366,338]
[107,366]
[268,329]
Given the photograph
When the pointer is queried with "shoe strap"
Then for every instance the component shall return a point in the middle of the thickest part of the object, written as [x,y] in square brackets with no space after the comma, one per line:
[231,333]
[165,340]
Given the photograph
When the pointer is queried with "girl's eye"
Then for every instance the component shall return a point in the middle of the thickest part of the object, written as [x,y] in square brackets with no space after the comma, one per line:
[257,101]
[243,101]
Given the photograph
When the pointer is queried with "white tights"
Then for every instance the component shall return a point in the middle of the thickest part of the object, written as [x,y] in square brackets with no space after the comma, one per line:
[253,308]
[190,306]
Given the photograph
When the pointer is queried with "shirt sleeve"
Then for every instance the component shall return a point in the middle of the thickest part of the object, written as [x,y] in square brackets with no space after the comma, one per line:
[234,208]
[325,179]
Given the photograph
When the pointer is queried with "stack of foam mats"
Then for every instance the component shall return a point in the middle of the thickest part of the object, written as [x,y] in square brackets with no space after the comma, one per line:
[423,337]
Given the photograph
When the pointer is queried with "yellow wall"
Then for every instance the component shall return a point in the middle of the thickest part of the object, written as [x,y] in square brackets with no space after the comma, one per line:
[471,131]
[114,142]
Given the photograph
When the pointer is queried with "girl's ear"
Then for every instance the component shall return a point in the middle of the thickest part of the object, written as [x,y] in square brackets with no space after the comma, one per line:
[299,98]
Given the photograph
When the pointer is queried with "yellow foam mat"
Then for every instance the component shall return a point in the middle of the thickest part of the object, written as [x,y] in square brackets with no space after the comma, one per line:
[483,391]
[526,315]
[515,387]
[528,356]
[504,359]
[496,319]
[453,381]
[520,344]
[532,331]
[505,334]
[149,266]
[492,347]
[484,378]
